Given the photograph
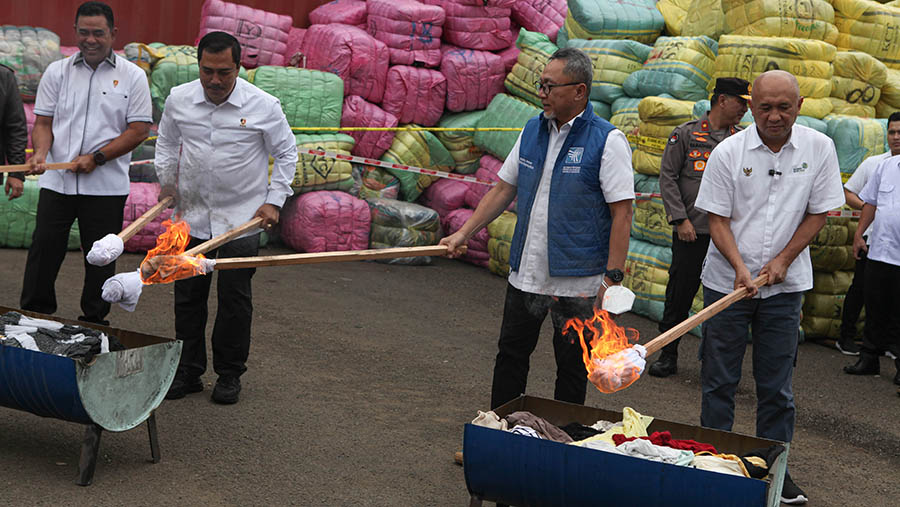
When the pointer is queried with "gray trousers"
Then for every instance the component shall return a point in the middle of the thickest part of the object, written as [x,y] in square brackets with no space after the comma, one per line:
[774,322]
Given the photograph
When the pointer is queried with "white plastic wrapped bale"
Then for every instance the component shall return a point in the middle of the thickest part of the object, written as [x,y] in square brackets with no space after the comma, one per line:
[351,53]
[402,224]
[544,16]
[508,112]
[809,19]
[477,252]
[823,306]
[810,61]
[889,102]
[679,66]
[473,77]
[869,27]
[535,51]
[613,60]
[325,221]
[358,112]
[316,172]
[461,144]
[410,29]
[649,222]
[857,83]
[501,232]
[638,20]
[309,98]
[477,24]
[856,139]
[658,118]
[370,181]
[263,35]
[418,149]
[347,12]
[415,95]
[28,51]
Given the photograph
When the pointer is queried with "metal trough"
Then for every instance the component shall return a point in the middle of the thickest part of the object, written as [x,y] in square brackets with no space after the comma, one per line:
[115,391]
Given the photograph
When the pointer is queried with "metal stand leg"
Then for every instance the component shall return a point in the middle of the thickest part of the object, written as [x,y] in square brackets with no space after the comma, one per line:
[154,440]
[90,448]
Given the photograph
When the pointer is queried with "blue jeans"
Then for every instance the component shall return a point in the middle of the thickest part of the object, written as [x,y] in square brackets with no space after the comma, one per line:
[774,322]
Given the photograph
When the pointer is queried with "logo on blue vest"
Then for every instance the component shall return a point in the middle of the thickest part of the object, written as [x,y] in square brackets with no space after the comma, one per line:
[574,155]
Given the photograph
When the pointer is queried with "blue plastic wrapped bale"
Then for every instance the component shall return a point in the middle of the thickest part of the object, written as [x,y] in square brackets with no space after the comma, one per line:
[18,219]
[503,111]
[638,20]
[602,109]
[679,66]
[548,473]
[614,60]
[856,139]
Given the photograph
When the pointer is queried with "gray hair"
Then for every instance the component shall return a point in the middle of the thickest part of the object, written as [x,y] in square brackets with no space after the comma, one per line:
[578,65]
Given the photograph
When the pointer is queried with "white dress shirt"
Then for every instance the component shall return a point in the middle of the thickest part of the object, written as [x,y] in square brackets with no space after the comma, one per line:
[861,175]
[883,192]
[766,195]
[218,156]
[90,108]
[617,183]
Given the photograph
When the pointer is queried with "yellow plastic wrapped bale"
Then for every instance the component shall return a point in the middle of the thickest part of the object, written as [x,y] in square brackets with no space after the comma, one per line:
[647,274]
[837,282]
[649,215]
[638,20]
[613,60]
[889,101]
[806,19]
[323,173]
[679,66]
[856,85]
[869,27]
[626,118]
[657,115]
[534,50]
[832,234]
[501,232]
[419,149]
[704,17]
[832,258]
[673,13]
[823,305]
[856,139]
[461,144]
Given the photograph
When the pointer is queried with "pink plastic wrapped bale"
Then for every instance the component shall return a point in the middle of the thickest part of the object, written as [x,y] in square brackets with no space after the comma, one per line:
[473,78]
[412,30]
[487,170]
[142,197]
[293,46]
[360,113]
[66,51]
[326,221]
[263,35]
[474,25]
[351,53]
[509,56]
[477,252]
[415,95]
[347,12]
[544,16]
[444,196]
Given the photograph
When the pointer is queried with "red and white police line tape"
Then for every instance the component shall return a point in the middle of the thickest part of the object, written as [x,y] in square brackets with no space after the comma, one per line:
[845,213]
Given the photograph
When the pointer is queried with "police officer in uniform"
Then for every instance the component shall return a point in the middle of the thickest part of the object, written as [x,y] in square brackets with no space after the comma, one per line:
[683,163]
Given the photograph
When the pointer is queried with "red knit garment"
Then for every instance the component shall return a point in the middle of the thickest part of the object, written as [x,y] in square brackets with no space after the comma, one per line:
[665,439]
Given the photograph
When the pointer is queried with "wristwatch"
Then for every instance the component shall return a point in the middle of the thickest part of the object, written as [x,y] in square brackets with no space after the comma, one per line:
[616,275]
[99,158]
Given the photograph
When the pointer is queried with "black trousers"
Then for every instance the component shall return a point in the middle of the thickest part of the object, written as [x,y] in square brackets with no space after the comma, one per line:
[523,315]
[684,281]
[882,331]
[854,300]
[231,332]
[97,216]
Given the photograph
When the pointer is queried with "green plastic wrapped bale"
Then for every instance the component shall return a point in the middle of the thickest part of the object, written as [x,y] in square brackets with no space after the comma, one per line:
[461,144]
[500,232]
[535,49]
[679,66]
[832,258]
[837,282]
[833,234]
[28,51]
[614,60]
[646,274]
[638,20]
[370,182]
[503,111]
[602,109]
[823,305]
[177,67]
[323,173]
[418,149]
[309,98]
[856,139]
[403,224]
[18,218]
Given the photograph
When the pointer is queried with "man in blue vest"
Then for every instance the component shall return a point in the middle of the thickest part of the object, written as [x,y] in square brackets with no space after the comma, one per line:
[571,172]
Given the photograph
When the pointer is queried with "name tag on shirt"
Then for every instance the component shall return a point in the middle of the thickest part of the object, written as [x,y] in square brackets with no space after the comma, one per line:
[571,169]
[524,162]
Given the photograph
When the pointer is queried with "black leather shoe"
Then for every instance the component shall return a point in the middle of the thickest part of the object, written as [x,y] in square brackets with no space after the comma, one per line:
[666,365]
[182,385]
[897,376]
[866,365]
[227,390]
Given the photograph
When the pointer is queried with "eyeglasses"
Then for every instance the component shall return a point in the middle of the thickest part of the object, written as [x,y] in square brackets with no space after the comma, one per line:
[546,88]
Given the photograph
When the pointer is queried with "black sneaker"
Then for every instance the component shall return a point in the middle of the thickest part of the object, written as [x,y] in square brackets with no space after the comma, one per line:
[182,385]
[227,390]
[848,347]
[666,365]
[791,493]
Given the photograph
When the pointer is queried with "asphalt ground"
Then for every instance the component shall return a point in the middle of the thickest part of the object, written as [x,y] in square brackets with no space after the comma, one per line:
[361,377]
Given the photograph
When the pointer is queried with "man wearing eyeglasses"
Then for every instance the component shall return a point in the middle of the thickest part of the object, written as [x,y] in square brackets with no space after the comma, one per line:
[571,171]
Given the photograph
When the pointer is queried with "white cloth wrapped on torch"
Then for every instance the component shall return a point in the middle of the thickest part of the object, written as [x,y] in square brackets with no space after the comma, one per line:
[619,370]
[105,250]
[125,289]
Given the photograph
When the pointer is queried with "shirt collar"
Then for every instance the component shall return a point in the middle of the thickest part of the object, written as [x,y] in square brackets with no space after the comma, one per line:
[110,58]
[236,98]
[551,124]
[757,142]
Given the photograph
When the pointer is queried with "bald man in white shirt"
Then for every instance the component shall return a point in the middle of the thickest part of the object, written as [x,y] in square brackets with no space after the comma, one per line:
[766,190]
[215,139]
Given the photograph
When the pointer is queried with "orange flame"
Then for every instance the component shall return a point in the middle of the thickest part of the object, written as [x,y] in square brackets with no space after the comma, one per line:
[164,262]
[605,343]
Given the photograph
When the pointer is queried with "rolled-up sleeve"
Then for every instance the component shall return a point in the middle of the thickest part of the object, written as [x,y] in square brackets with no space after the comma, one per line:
[716,193]
[282,147]
[168,145]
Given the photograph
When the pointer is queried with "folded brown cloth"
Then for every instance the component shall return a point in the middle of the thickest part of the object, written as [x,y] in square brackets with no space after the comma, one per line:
[544,428]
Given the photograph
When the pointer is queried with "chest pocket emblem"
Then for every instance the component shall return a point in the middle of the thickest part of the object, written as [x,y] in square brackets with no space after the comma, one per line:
[115,83]
[694,154]
[574,155]
[700,165]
